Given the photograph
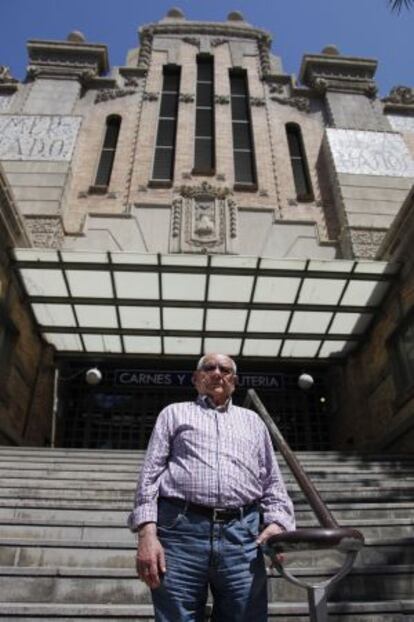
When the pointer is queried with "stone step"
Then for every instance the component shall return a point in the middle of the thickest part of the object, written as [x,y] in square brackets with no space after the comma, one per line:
[374,611]
[120,585]
[117,554]
[96,511]
[80,530]
[97,476]
[330,493]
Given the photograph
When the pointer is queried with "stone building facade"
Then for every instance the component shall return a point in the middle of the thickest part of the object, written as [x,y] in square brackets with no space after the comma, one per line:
[26,360]
[201,145]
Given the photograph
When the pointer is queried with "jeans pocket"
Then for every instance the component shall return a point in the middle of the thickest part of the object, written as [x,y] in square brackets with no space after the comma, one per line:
[168,515]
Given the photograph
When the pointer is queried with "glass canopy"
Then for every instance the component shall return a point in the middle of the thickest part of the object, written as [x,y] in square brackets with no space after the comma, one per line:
[128,303]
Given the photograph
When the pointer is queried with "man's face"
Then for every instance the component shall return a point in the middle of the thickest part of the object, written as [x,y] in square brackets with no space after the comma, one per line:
[216,378]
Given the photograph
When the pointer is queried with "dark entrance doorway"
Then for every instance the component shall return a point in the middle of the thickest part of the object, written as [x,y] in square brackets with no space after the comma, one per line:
[120,412]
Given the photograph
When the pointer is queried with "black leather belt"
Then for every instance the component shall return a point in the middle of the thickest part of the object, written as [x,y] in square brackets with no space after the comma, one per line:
[216,514]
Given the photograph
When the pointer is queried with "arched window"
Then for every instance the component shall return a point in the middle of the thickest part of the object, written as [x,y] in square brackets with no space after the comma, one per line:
[106,161]
[299,164]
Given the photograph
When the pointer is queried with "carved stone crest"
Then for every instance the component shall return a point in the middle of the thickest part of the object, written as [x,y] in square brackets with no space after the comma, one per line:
[301,103]
[186,98]
[150,97]
[221,99]
[108,94]
[203,219]
[403,95]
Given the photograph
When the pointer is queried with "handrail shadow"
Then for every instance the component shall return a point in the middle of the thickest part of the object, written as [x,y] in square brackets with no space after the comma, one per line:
[328,536]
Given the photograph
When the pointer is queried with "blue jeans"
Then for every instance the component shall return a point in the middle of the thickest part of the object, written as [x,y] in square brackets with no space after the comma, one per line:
[201,553]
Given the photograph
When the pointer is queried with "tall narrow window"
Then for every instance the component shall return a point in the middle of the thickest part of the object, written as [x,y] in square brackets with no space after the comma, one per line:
[204,161]
[300,170]
[167,126]
[244,166]
[106,161]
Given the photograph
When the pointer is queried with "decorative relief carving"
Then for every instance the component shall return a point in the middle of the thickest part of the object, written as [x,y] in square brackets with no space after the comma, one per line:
[216,41]
[233,214]
[203,219]
[131,82]
[192,41]
[5,75]
[176,218]
[150,97]
[222,99]
[274,87]
[365,242]
[109,94]
[45,232]
[301,103]
[204,188]
[186,98]
[38,137]
[257,101]
[146,37]
[400,95]
[264,46]
[370,153]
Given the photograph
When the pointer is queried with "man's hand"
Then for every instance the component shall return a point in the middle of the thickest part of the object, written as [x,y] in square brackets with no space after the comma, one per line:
[150,556]
[271,530]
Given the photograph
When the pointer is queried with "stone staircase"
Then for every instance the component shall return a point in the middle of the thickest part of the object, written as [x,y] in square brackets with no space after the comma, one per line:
[66,555]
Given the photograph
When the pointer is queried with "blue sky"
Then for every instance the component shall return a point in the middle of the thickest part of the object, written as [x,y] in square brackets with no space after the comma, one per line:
[357,27]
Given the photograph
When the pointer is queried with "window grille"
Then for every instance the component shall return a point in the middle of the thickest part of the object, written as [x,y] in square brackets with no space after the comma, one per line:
[244,165]
[299,164]
[167,126]
[204,160]
[106,161]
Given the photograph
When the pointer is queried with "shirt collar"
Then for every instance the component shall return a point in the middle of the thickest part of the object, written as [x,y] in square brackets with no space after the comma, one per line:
[207,402]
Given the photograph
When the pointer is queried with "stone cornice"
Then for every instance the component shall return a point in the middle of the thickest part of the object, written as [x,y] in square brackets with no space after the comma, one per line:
[215,29]
[71,60]
[346,74]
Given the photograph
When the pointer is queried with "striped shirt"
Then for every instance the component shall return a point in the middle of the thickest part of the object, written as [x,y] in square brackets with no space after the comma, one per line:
[214,457]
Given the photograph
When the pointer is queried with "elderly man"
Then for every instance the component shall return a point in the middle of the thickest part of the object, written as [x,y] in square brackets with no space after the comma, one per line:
[209,494]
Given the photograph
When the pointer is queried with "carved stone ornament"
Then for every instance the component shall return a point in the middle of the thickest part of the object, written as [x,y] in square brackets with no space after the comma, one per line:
[221,99]
[218,41]
[192,41]
[5,75]
[257,101]
[203,219]
[150,97]
[403,95]
[301,103]
[275,88]
[186,98]
[146,37]
[131,82]
[264,55]
[109,94]
[204,188]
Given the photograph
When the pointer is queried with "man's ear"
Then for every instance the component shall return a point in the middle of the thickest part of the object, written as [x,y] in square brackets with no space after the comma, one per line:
[236,380]
[194,378]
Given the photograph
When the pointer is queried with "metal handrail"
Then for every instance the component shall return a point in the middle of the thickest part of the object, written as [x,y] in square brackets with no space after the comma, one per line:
[329,535]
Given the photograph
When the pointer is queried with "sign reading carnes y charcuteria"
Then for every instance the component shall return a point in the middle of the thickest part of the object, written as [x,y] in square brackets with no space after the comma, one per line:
[148,377]
[38,137]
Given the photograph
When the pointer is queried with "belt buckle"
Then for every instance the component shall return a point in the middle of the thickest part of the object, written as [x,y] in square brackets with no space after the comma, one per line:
[216,515]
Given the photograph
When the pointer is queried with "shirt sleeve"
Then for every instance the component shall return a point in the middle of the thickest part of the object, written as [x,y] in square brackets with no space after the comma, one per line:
[276,504]
[155,462]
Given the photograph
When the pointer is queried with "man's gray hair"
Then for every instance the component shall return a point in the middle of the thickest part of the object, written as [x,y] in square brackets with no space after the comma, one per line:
[201,362]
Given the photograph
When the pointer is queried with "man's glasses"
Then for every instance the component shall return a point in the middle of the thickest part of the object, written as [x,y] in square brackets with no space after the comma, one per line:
[223,369]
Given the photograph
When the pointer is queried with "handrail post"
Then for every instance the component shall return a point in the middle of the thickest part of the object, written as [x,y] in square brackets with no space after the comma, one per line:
[348,540]
[318,606]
